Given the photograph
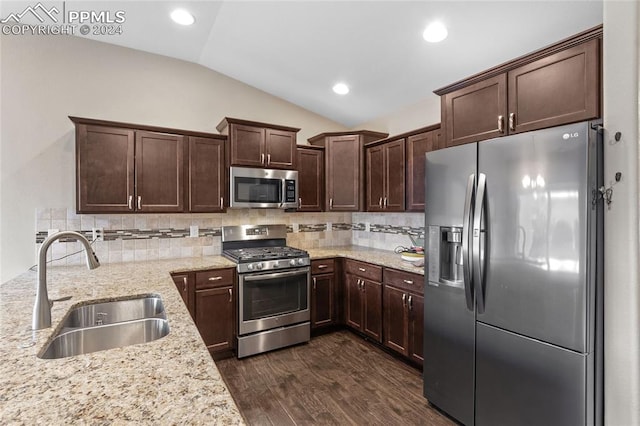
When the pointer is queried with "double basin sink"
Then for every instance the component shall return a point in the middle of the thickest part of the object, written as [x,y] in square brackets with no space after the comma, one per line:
[107,325]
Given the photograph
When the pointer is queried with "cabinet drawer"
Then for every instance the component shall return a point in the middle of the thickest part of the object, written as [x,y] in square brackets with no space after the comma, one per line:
[322,266]
[364,270]
[404,280]
[214,278]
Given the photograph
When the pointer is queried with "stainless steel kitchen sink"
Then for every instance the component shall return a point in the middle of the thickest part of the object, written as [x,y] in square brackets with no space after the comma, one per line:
[113,312]
[108,325]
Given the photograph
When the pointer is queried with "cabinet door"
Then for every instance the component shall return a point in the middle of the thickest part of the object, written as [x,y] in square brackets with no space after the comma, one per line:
[476,112]
[310,180]
[395,320]
[207,177]
[159,172]
[558,89]
[280,149]
[354,302]
[372,301]
[417,146]
[375,178]
[394,176]
[247,146]
[215,317]
[105,169]
[184,284]
[416,328]
[344,173]
[322,296]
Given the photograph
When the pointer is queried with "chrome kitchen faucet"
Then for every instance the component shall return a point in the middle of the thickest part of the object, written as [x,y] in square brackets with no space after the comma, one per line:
[42,307]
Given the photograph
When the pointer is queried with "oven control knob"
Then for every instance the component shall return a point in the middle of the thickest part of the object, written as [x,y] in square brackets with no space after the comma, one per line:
[250,266]
[259,265]
[292,262]
[301,261]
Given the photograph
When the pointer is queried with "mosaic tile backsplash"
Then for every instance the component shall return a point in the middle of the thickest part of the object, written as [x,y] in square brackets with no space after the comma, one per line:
[141,237]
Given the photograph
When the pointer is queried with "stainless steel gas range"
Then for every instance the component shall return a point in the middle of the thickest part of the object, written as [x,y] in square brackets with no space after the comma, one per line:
[273,287]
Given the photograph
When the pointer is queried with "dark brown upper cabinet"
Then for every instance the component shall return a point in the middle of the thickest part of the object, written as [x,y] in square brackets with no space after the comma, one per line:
[385,176]
[310,179]
[428,139]
[104,169]
[159,171]
[556,85]
[129,168]
[207,176]
[253,144]
[344,167]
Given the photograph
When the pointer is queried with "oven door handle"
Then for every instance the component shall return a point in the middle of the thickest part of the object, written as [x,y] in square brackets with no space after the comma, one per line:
[283,274]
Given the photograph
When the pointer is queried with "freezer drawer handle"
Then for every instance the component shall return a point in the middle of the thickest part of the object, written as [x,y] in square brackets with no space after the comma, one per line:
[478,239]
[467,267]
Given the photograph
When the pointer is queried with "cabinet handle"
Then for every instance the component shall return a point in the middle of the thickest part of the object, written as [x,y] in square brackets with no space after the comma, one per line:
[410,303]
[139,202]
[330,203]
[362,270]
[261,158]
[230,295]
[299,202]
[221,202]
[268,159]
[512,121]
[184,284]
[408,281]
[314,283]
[385,202]
[380,203]
[130,202]
[404,299]
[215,278]
[501,124]
[322,266]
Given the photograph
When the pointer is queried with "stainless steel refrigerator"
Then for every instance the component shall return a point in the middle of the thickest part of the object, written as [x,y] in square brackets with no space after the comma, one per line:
[513,279]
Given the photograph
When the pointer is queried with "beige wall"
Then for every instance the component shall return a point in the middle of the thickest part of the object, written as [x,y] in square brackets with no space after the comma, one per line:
[622,293]
[420,114]
[46,79]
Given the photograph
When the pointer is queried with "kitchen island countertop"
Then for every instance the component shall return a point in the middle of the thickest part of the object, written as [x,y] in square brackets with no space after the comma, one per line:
[172,380]
[167,381]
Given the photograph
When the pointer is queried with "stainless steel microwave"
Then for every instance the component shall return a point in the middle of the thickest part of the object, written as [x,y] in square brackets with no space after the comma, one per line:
[263,188]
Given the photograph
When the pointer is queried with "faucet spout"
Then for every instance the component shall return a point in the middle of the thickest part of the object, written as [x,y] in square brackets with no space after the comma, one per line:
[42,306]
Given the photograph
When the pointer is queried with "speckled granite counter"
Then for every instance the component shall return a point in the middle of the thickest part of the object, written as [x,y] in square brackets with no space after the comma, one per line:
[366,254]
[168,381]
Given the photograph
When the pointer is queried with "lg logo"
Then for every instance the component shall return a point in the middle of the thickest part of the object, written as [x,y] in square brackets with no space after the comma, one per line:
[567,136]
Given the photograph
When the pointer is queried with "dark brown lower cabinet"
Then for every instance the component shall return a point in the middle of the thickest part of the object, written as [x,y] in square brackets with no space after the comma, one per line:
[214,317]
[210,298]
[322,300]
[403,304]
[364,306]
[184,284]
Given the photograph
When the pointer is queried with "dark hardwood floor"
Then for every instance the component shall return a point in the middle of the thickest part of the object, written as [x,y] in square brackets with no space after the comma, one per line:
[337,378]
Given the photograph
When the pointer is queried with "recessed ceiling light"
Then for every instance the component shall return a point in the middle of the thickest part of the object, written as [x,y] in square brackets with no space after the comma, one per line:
[182,17]
[435,32]
[341,89]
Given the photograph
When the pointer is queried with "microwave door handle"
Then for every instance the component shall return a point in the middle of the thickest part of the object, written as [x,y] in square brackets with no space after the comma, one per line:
[283,193]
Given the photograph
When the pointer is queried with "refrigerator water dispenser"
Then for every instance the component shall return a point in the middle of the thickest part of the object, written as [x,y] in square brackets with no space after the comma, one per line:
[445,255]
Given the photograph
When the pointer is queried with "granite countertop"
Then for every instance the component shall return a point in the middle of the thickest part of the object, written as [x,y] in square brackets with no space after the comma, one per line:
[172,380]
[168,381]
[366,254]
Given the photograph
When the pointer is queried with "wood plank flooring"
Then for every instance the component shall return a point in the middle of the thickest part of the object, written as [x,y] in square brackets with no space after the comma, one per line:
[336,379]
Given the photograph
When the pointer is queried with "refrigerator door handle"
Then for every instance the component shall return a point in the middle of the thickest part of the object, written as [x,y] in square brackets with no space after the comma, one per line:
[478,251]
[467,266]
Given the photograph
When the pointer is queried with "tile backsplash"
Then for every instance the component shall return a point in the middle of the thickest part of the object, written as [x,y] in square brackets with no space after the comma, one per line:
[142,237]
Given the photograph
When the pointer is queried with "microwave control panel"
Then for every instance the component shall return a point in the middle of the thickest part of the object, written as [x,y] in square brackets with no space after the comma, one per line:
[290,188]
